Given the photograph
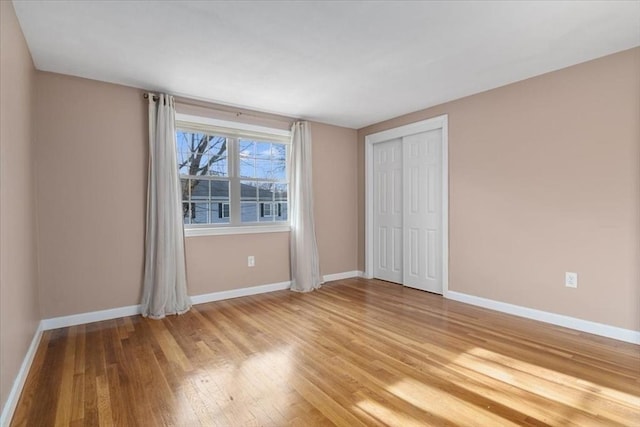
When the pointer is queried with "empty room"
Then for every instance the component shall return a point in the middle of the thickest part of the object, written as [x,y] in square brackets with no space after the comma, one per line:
[315,213]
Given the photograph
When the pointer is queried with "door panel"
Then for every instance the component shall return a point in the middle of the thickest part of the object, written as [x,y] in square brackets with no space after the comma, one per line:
[422,213]
[387,204]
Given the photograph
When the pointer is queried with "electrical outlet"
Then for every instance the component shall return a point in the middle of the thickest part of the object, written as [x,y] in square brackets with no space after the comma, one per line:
[251,261]
[571,279]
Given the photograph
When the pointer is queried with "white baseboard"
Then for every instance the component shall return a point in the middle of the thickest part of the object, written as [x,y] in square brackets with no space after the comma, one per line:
[595,328]
[93,316]
[242,292]
[340,276]
[21,378]
[132,310]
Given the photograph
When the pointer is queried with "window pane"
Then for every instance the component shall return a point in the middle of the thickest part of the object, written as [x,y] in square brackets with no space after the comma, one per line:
[220,191]
[198,164]
[263,169]
[200,213]
[249,208]
[198,143]
[186,209]
[184,160]
[219,166]
[247,167]
[280,192]
[280,195]
[219,213]
[201,154]
[249,211]
[263,160]
[284,212]
[266,212]
[218,153]
[217,145]
[192,142]
[279,151]
[247,154]
[220,202]
[183,141]
[247,148]
[199,190]
[263,150]
[279,169]
[265,192]
[184,185]
[186,212]
[248,191]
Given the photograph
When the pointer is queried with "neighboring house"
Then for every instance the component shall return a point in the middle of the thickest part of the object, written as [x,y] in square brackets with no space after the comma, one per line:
[258,202]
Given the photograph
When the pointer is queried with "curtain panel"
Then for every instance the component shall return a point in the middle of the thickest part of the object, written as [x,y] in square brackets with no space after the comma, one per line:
[305,265]
[165,281]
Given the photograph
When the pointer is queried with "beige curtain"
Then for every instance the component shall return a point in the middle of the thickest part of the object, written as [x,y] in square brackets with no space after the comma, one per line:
[165,282]
[305,265]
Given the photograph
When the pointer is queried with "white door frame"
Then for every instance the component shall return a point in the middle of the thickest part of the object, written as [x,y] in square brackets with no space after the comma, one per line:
[440,122]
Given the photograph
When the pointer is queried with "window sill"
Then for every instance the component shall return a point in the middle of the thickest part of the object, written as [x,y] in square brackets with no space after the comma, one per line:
[222,231]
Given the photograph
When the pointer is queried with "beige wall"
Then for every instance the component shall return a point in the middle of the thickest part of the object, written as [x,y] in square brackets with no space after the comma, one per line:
[545,178]
[335,205]
[92,159]
[219,263]
[19,311]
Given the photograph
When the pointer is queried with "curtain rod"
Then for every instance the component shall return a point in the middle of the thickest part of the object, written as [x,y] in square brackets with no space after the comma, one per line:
[154,99]
[204,104]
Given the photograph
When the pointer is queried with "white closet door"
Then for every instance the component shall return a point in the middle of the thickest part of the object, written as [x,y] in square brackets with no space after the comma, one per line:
[387,214]
[422,211]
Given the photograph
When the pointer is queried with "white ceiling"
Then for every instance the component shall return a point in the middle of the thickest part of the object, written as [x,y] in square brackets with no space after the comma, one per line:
[344,63]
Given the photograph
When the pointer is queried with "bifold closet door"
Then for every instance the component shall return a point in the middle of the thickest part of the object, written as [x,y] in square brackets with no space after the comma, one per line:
[422,211]
[387,210]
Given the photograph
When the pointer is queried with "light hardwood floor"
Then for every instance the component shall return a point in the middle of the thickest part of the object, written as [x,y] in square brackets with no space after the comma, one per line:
[357,352]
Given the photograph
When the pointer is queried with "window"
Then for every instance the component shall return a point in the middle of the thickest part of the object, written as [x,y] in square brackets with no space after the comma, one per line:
[265,209]
[232,176]
[223,210]
[278,210]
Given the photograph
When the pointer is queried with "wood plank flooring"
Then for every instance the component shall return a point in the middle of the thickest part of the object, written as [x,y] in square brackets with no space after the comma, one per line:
[355,353]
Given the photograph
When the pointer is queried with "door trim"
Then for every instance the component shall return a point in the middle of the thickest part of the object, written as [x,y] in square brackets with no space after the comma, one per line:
[440,122]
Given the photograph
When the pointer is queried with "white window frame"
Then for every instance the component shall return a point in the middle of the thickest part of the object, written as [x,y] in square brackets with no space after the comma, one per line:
[237,130]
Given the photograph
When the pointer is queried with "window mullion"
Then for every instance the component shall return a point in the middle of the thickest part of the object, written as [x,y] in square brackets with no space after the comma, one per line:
[234,181]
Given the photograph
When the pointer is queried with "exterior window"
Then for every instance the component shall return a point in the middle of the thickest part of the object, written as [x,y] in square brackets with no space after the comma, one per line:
[223,210]
[230,177]
[266,210]
[278,210]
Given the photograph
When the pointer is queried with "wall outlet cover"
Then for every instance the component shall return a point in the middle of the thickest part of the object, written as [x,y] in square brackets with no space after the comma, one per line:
[571,279]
